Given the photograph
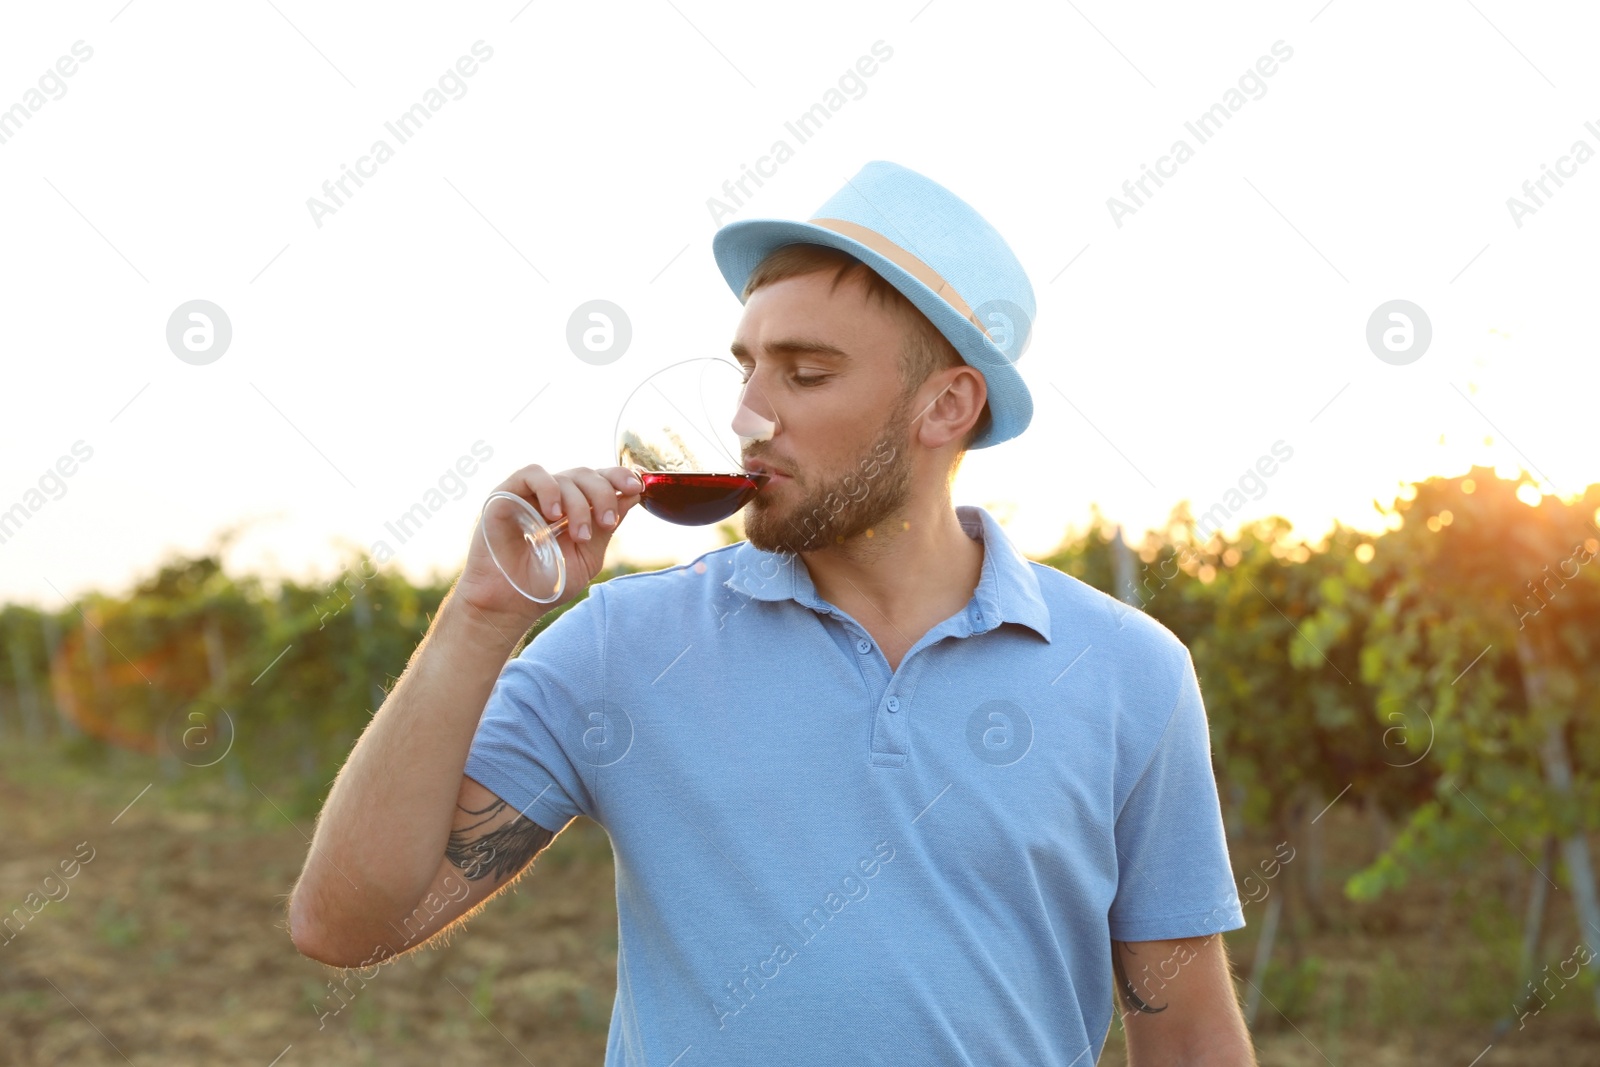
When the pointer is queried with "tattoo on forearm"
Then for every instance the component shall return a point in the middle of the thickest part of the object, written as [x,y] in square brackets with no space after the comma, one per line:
[500,852]
[1125,986]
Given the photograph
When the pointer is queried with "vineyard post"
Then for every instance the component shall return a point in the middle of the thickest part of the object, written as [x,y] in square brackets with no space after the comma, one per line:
[27,694]
[1258,967]
[1537,898]
[63,693]
[1311,872]
[1125,570]
[217,667]
[1558,773]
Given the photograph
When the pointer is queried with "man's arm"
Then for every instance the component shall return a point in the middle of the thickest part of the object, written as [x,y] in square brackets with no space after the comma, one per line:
[1177,1004]
[491,841]
[383,831]
[400,805]
[1176,995]
[489,847]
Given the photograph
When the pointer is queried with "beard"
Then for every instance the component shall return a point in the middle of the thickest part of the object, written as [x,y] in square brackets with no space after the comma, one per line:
[842,506]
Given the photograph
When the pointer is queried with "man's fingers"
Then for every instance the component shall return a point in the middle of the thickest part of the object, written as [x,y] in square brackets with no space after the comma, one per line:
[623,480]
[575,506]
[605,506]
[535,483]
[583,495]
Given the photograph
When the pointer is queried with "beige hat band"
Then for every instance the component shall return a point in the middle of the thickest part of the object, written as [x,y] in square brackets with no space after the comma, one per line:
[906,262]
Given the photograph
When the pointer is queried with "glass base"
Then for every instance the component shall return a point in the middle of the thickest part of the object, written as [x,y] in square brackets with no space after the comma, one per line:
[524,547]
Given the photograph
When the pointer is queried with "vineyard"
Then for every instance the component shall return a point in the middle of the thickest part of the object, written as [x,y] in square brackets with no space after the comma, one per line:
[1405,729]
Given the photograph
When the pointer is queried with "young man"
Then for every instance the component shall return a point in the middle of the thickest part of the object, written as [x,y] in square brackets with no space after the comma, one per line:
[879,789]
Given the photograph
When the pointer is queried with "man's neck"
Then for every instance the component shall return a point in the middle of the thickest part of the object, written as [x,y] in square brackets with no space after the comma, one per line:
[913,573]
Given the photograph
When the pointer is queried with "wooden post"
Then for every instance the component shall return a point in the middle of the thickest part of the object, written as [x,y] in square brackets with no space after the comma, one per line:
[1314,837]
[1558,773]
[216,654]
[27,694]
[63,693]
[1258,968]
[363,610]
[1309,877]
[1538,895]
[1532,929]
[1233,810]
[1125,568]
[1382,832]
[226,725]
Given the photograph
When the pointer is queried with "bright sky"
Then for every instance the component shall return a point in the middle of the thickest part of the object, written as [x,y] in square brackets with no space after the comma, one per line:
[429,311]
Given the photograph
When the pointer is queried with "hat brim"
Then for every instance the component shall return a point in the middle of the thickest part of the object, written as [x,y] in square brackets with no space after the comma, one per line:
[739,247]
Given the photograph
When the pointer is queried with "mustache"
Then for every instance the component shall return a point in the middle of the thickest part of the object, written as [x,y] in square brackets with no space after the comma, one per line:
[769,459]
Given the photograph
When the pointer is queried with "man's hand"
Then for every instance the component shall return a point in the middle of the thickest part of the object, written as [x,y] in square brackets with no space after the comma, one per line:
[1177,1004]
[583,496]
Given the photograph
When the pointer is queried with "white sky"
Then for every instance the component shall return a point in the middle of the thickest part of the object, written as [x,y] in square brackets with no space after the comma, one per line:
[369,354]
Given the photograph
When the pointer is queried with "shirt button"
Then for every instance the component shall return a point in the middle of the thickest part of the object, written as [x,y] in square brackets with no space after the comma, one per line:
[894,704]
[978,615]
[863,646]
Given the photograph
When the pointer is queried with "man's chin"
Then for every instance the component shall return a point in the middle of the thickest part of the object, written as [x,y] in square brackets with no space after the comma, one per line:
[771,527]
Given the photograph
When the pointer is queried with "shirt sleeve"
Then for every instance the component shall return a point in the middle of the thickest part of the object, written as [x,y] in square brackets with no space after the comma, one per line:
[545,727]
[1173,875]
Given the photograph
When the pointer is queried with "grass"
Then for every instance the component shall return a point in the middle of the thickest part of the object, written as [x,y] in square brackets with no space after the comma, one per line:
[172,941]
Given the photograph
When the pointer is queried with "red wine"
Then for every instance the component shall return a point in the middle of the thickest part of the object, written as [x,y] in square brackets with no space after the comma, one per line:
[697,499]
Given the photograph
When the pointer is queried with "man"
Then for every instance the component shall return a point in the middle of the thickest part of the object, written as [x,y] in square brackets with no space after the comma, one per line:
[879,789]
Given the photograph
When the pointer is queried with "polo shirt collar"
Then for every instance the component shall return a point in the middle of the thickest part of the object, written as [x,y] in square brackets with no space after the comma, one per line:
[1008,590]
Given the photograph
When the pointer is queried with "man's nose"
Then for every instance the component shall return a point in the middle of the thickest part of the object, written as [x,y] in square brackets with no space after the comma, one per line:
[755,420]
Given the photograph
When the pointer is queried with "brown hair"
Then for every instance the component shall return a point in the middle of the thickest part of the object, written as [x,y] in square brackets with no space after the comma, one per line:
[924,349]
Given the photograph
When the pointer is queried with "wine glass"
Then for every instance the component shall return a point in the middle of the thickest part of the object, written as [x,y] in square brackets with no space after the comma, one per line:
[682,433]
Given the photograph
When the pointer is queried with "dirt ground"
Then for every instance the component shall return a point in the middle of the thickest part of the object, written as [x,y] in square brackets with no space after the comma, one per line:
[168,945]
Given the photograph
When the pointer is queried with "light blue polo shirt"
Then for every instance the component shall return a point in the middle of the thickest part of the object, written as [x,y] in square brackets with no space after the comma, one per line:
[822,861]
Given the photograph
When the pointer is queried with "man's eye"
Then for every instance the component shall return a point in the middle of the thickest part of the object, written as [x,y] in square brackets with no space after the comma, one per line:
[809,379]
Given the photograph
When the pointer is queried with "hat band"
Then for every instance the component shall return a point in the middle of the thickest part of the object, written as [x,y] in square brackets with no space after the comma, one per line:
[906,262]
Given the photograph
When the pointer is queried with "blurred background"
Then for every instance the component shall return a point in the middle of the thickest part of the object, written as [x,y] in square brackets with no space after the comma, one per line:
[1320,400]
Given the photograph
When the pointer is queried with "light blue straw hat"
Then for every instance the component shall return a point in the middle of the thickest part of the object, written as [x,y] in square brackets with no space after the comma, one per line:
[933,247]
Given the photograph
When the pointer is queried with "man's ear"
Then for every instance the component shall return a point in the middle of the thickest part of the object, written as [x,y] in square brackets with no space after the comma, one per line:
[955,402]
